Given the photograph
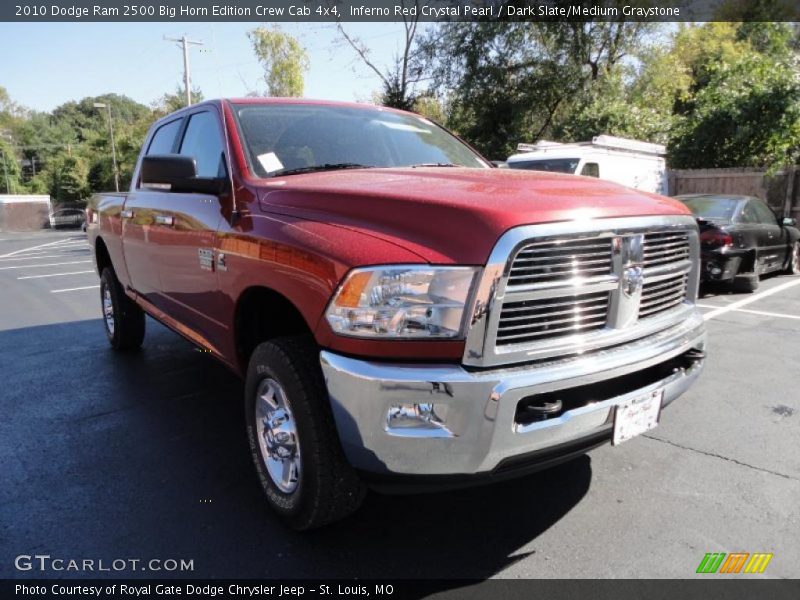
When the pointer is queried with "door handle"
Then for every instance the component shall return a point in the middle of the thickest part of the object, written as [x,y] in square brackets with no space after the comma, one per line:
[126,214]
[165,220]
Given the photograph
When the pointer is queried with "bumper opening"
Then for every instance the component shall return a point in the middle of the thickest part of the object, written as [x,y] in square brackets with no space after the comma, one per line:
[541,407]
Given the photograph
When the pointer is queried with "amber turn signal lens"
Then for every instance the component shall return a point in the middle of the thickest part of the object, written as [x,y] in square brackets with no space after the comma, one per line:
[350,295]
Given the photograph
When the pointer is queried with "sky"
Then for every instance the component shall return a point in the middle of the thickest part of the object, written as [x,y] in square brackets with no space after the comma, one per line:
[47,64]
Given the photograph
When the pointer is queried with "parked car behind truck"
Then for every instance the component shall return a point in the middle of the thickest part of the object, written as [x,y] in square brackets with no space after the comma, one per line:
[741,238]
[402,313]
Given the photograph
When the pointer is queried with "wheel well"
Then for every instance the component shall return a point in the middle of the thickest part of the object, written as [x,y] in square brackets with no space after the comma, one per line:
[101,256]
[263,314]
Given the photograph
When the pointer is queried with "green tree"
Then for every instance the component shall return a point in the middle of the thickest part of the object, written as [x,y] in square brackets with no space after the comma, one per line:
[747,115]
[10,182]
[169,103]
[507,82]
[283,58]
[66,178]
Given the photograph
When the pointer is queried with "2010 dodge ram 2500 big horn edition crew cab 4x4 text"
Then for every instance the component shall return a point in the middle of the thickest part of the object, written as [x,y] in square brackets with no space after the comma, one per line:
[404,314]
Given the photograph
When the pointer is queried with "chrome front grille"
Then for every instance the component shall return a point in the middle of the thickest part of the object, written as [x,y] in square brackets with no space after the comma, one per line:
[663,294]
[665,250]
[572,287]
[534,320]
[559,260]
[665,247]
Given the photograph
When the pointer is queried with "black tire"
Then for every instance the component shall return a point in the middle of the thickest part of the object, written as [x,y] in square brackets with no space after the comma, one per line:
[327,488]
[793,260]
[746,283]
[125,330]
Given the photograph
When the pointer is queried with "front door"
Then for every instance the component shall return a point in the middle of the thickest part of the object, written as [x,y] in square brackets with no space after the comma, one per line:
[772,255]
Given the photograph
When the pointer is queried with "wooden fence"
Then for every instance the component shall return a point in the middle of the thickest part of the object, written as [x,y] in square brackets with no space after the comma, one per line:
[781,190]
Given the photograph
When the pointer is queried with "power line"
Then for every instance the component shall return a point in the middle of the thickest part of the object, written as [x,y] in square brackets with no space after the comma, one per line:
[185,43]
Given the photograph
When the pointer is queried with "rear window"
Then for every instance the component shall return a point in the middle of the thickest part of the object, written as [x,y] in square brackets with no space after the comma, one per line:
[712,209]
[555,165]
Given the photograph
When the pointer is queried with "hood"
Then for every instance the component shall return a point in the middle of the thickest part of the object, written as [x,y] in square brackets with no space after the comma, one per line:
[452,215]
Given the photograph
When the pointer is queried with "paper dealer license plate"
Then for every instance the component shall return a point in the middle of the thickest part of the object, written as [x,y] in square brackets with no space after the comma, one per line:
[637,415]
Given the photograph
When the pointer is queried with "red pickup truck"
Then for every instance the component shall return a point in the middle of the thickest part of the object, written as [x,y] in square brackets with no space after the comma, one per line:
[404,314]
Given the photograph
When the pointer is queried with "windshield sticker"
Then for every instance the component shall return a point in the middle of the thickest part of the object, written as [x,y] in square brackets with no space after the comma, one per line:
[270,162]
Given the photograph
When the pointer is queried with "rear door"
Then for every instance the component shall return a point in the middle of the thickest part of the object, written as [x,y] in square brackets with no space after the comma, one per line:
[139,223]
[187,230]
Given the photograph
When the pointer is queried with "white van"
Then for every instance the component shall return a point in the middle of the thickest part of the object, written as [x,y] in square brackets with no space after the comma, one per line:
[632,163]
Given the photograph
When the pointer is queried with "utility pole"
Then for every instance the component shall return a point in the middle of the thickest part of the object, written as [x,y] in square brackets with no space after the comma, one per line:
[187,79]
[107,105]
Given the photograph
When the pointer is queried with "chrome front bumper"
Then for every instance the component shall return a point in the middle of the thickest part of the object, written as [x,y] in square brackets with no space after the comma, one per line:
[475,428]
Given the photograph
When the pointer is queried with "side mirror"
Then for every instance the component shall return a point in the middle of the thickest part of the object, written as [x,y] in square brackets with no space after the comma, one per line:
[178,173]
[789,221]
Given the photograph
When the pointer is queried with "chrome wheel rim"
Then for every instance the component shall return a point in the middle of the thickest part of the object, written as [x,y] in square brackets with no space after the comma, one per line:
[108,310]
[277,436]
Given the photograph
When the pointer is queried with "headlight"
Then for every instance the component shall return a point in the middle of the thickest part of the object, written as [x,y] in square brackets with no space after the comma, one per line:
[400,301]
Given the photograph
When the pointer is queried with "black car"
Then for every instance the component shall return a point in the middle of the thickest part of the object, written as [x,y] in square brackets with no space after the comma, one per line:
[741,238]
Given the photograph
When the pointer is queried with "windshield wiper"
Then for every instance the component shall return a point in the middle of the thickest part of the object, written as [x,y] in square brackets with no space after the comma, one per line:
[323,167]
[434,164]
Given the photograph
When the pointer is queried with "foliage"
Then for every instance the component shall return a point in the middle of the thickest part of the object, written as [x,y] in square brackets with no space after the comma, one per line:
[514,81]
[748,114]
[283,58]
[67,153]
[169,103]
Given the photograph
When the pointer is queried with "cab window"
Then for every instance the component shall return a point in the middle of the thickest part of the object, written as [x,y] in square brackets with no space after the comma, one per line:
[164,138]
[203,142]
[591,169]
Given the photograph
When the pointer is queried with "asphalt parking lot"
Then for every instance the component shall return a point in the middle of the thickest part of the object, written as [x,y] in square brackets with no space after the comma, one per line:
[144,456]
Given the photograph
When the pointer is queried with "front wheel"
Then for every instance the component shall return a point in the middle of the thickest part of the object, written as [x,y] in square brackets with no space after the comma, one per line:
[793,264]
[293,439]
[122,317]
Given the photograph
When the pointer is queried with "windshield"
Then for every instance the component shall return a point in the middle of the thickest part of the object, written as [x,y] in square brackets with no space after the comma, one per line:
[282,139]
[712,209]
[557,165]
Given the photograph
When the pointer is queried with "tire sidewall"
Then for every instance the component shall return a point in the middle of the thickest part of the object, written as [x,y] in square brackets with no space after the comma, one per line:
[268,362]
[795,252]
[107,282]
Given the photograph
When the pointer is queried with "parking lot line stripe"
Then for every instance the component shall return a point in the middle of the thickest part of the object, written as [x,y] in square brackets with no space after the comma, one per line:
[37,256]
[766,313]
[86,287]
[74,262]
[750,300]
[21,250]
[754,312]
[54,275]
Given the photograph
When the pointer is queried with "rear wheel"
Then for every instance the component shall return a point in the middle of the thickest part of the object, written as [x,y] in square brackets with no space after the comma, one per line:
[293,439]
[122,317]
[793,263]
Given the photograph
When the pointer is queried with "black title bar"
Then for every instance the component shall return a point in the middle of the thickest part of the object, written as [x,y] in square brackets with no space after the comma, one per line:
[710,588]
[394,10]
